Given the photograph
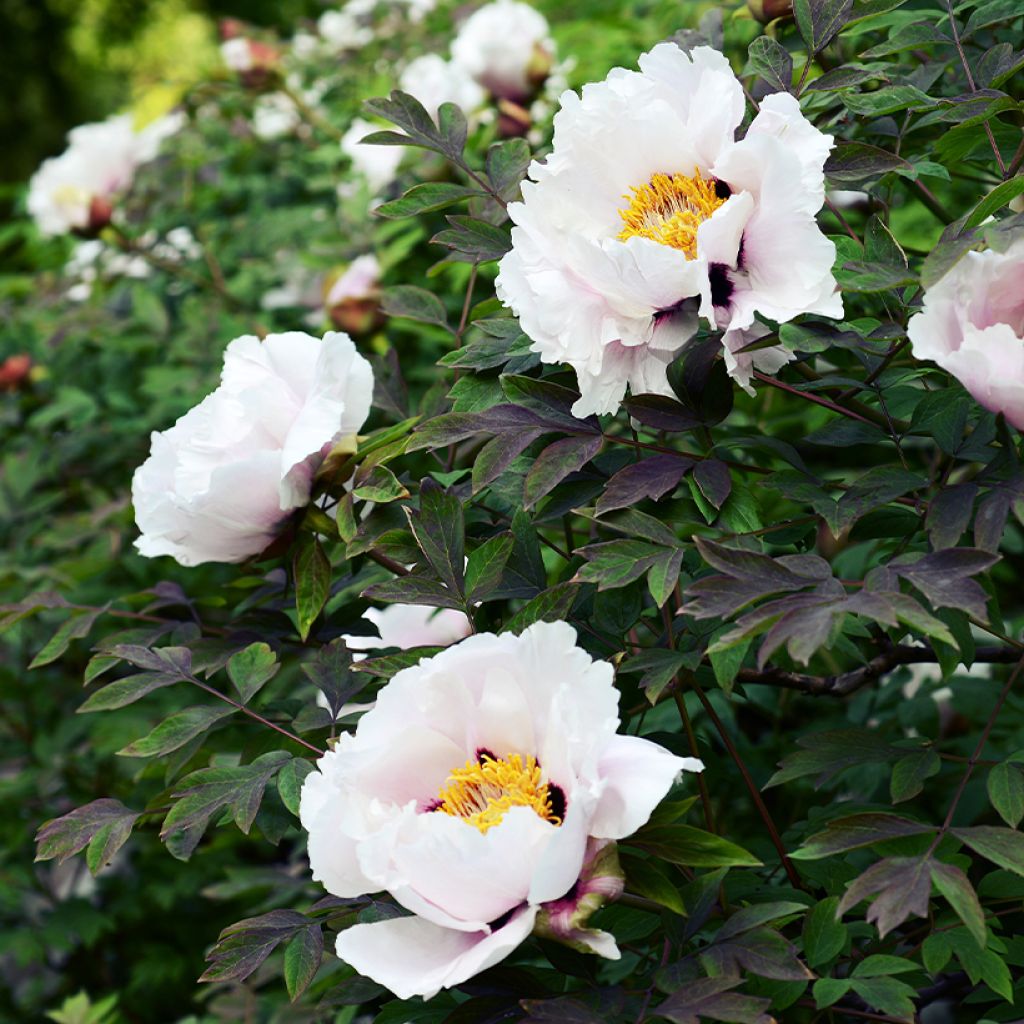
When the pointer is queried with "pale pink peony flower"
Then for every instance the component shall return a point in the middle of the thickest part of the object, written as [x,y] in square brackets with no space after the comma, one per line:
[972,325]
[75,190]
[506,46]
[649,212]
[433,80]
[471,792]
[219,484]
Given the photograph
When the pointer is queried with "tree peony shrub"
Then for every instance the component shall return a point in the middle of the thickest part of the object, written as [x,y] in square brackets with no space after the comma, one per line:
[218,485]
[653,451]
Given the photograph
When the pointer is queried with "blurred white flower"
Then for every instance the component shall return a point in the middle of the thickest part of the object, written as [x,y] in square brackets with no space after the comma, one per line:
[76,190]
[506,46]
[359,280]
[433,80]
[342,30]
[648,212]
[377,164]
[237,54]
[402,626]
[972,325]
[472,792]
[274,115]
[305,45]
[219,484]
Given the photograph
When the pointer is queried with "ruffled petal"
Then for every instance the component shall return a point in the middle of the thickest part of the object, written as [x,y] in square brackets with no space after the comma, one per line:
[412,957]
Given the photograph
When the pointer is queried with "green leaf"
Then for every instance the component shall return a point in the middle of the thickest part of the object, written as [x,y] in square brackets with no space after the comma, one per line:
[854,163]
[439,530]
[820,20]
[772,61]
[506,166]
[412,303]
[251,669]
[824,936]
[1006,792]
[63,837]
[647,877]
[960,894]
[74,628]
[692,847]
[549,605]
[880,965]
[312,572]
[302,958]
[857,830]
[289,782]
[485,566]
[910,772]
[1002,846]
[378,483]
[177,730]
[887,995]
[999,197]
[203,793]
[242,947]
[827,991]
[125,691]
[425,198]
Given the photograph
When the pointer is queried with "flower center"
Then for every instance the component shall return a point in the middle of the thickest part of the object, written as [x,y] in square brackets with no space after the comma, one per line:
[669,209]
[485,789]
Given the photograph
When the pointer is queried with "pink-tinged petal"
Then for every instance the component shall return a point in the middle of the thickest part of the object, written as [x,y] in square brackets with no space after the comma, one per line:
[474,876]
[637,775]
[741,364]
[412,957]
[559,866]
[780,116]
[334,827]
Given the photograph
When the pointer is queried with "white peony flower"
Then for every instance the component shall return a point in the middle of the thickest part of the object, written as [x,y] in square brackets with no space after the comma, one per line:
[411,625]
[275,115]
[218,485]
[74,191]
[402,626]
[972,325]
[471,792]
[649,211]
[505,46]
[433,80]
[237,54]
[341,30]
[377,164]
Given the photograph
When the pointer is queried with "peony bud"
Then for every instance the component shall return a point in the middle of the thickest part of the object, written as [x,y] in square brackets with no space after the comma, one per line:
[770,10]
[14,371]
[601,881]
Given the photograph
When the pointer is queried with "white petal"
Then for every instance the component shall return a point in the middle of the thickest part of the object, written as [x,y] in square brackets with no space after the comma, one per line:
[412,957]
[637,774]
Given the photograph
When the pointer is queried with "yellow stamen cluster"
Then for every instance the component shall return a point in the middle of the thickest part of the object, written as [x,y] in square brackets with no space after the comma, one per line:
[484,790]
[669,209]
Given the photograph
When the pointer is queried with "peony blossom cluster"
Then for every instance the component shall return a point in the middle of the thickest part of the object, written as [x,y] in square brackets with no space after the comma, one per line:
[76,191]
[219,484]
[483,791]
[649,214]
[972,325]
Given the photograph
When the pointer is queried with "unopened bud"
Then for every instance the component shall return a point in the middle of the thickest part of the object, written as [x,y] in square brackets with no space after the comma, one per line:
[601,881]
[770,10]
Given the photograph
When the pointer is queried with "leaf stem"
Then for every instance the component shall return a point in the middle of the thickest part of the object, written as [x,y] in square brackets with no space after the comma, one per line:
[755,794]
